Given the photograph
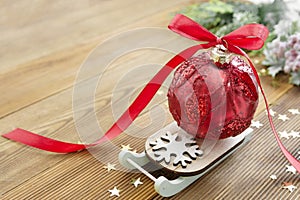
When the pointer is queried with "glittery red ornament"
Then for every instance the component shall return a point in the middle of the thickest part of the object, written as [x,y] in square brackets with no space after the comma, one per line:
[213,96]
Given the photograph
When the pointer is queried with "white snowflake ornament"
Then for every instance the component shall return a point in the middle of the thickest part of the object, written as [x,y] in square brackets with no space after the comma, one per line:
[183,148]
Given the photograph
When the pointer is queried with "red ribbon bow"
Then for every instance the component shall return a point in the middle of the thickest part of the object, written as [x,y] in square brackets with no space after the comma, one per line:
[251,37]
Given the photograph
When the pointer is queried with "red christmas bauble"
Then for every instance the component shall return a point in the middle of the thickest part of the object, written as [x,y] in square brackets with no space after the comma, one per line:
[213,96]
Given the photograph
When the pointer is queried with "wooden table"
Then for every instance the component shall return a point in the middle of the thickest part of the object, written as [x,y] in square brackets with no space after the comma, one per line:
[43,44]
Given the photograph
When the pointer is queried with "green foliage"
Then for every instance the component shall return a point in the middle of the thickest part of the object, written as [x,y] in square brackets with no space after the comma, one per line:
[239,19]
[210,14]
[283,53]
[295,78]
[223,17]
[270,15]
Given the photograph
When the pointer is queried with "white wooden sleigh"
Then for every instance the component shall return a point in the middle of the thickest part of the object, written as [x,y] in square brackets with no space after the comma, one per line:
[178,152]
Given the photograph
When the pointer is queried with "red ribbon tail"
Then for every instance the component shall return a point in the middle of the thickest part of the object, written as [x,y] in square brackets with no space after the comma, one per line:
[295,162]
[41,142]
[142,100]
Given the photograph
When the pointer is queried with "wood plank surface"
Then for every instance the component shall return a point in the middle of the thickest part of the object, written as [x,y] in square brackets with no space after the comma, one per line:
[63,54]
[32,79]
[42,47]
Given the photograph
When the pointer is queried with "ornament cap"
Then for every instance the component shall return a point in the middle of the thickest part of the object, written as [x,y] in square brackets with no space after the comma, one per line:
[220,54]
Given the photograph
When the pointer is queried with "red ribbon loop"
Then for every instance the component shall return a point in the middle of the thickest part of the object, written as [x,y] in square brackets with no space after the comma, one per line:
[188,28]
[251,37]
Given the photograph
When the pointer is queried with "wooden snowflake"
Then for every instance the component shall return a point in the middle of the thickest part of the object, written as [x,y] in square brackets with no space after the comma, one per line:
[183,147]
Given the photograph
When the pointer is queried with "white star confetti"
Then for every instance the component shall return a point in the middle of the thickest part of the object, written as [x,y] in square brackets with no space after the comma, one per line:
[272,112]
[256,124]
[294,111]
[289,186]
[137,182]
[291,169]
[114,192]
[294,134]
[283,117]
[110,167]
[126,147]
[273,177]
[284,134]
